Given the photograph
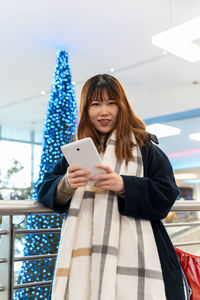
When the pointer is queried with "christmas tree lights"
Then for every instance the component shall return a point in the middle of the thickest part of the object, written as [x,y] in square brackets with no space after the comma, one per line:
[60,127]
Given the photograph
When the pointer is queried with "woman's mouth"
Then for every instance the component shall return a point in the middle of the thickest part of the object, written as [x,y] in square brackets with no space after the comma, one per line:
[104,122]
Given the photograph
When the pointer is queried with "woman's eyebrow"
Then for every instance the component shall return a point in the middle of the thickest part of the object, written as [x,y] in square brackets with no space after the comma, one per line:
[92,100]
[104,99]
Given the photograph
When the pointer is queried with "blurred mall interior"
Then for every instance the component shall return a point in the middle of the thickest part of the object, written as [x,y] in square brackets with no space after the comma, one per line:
[162,82]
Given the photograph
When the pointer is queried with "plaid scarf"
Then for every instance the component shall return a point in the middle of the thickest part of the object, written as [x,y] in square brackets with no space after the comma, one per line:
[102,254]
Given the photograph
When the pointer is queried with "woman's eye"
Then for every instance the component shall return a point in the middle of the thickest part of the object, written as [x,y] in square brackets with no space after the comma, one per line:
[94,104]
[112,102]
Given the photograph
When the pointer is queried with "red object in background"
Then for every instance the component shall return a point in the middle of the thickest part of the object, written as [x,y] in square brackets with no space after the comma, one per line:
[191,267]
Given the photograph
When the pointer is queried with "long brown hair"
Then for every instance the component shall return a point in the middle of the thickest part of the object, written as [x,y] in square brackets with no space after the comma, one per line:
[127,122]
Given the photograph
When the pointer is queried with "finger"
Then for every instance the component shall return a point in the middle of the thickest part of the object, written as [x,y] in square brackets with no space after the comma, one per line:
[79,173]
[77,185]
[73,168]
[79,180]
[103,183]
[99,177]
[106,168]
[105,187]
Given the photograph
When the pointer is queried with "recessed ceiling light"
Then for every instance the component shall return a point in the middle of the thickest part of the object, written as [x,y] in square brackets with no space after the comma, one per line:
[73,82]
[195,136]
[185,176]
[182,40]
[43,93]
[161,130]
[164,52]
[112,70]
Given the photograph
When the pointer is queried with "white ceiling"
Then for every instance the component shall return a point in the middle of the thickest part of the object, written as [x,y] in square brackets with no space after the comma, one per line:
[98,35]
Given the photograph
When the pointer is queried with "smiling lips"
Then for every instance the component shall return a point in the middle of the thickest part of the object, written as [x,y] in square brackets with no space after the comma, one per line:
[104,122]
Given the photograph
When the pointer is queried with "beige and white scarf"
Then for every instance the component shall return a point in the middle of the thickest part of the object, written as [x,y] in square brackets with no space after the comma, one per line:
[102,254]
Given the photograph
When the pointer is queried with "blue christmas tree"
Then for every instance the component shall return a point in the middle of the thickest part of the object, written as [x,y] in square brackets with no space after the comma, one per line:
[60,126]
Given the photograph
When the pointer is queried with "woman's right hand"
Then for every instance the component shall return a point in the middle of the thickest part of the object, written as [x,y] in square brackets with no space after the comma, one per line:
[77,177]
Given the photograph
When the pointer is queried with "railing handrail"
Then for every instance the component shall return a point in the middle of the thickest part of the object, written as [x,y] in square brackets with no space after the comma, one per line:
[26,207]
[186,205]
[22,207]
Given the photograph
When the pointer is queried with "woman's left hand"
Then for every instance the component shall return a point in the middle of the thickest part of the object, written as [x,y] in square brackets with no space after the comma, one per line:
[110,181]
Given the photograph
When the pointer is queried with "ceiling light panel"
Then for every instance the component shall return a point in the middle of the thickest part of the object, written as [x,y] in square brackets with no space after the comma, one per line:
[195,136]
[192,181]
[185,176]
[181,40]
[161,130]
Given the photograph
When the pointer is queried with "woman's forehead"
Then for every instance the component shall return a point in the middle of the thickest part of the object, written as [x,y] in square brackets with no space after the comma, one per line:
[101,95]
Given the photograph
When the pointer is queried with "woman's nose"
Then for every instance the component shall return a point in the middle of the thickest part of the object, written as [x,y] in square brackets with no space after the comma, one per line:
[103,109]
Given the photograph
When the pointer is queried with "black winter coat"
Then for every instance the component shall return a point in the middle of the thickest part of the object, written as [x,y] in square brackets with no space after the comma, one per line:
[150,197]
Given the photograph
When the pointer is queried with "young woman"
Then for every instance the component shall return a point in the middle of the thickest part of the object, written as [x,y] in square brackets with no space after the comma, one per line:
[113,244]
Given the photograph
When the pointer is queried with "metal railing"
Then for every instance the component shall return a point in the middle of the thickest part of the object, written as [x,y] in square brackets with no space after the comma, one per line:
[185,206]
[9,209]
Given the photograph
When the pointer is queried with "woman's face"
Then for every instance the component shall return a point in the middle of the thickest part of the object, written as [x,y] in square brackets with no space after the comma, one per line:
[103,114]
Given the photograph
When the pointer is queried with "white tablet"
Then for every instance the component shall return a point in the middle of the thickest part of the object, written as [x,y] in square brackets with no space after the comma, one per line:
[83,153]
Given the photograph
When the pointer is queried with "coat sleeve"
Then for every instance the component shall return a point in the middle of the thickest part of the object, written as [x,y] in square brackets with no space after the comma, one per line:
[152,196]
[46,190]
